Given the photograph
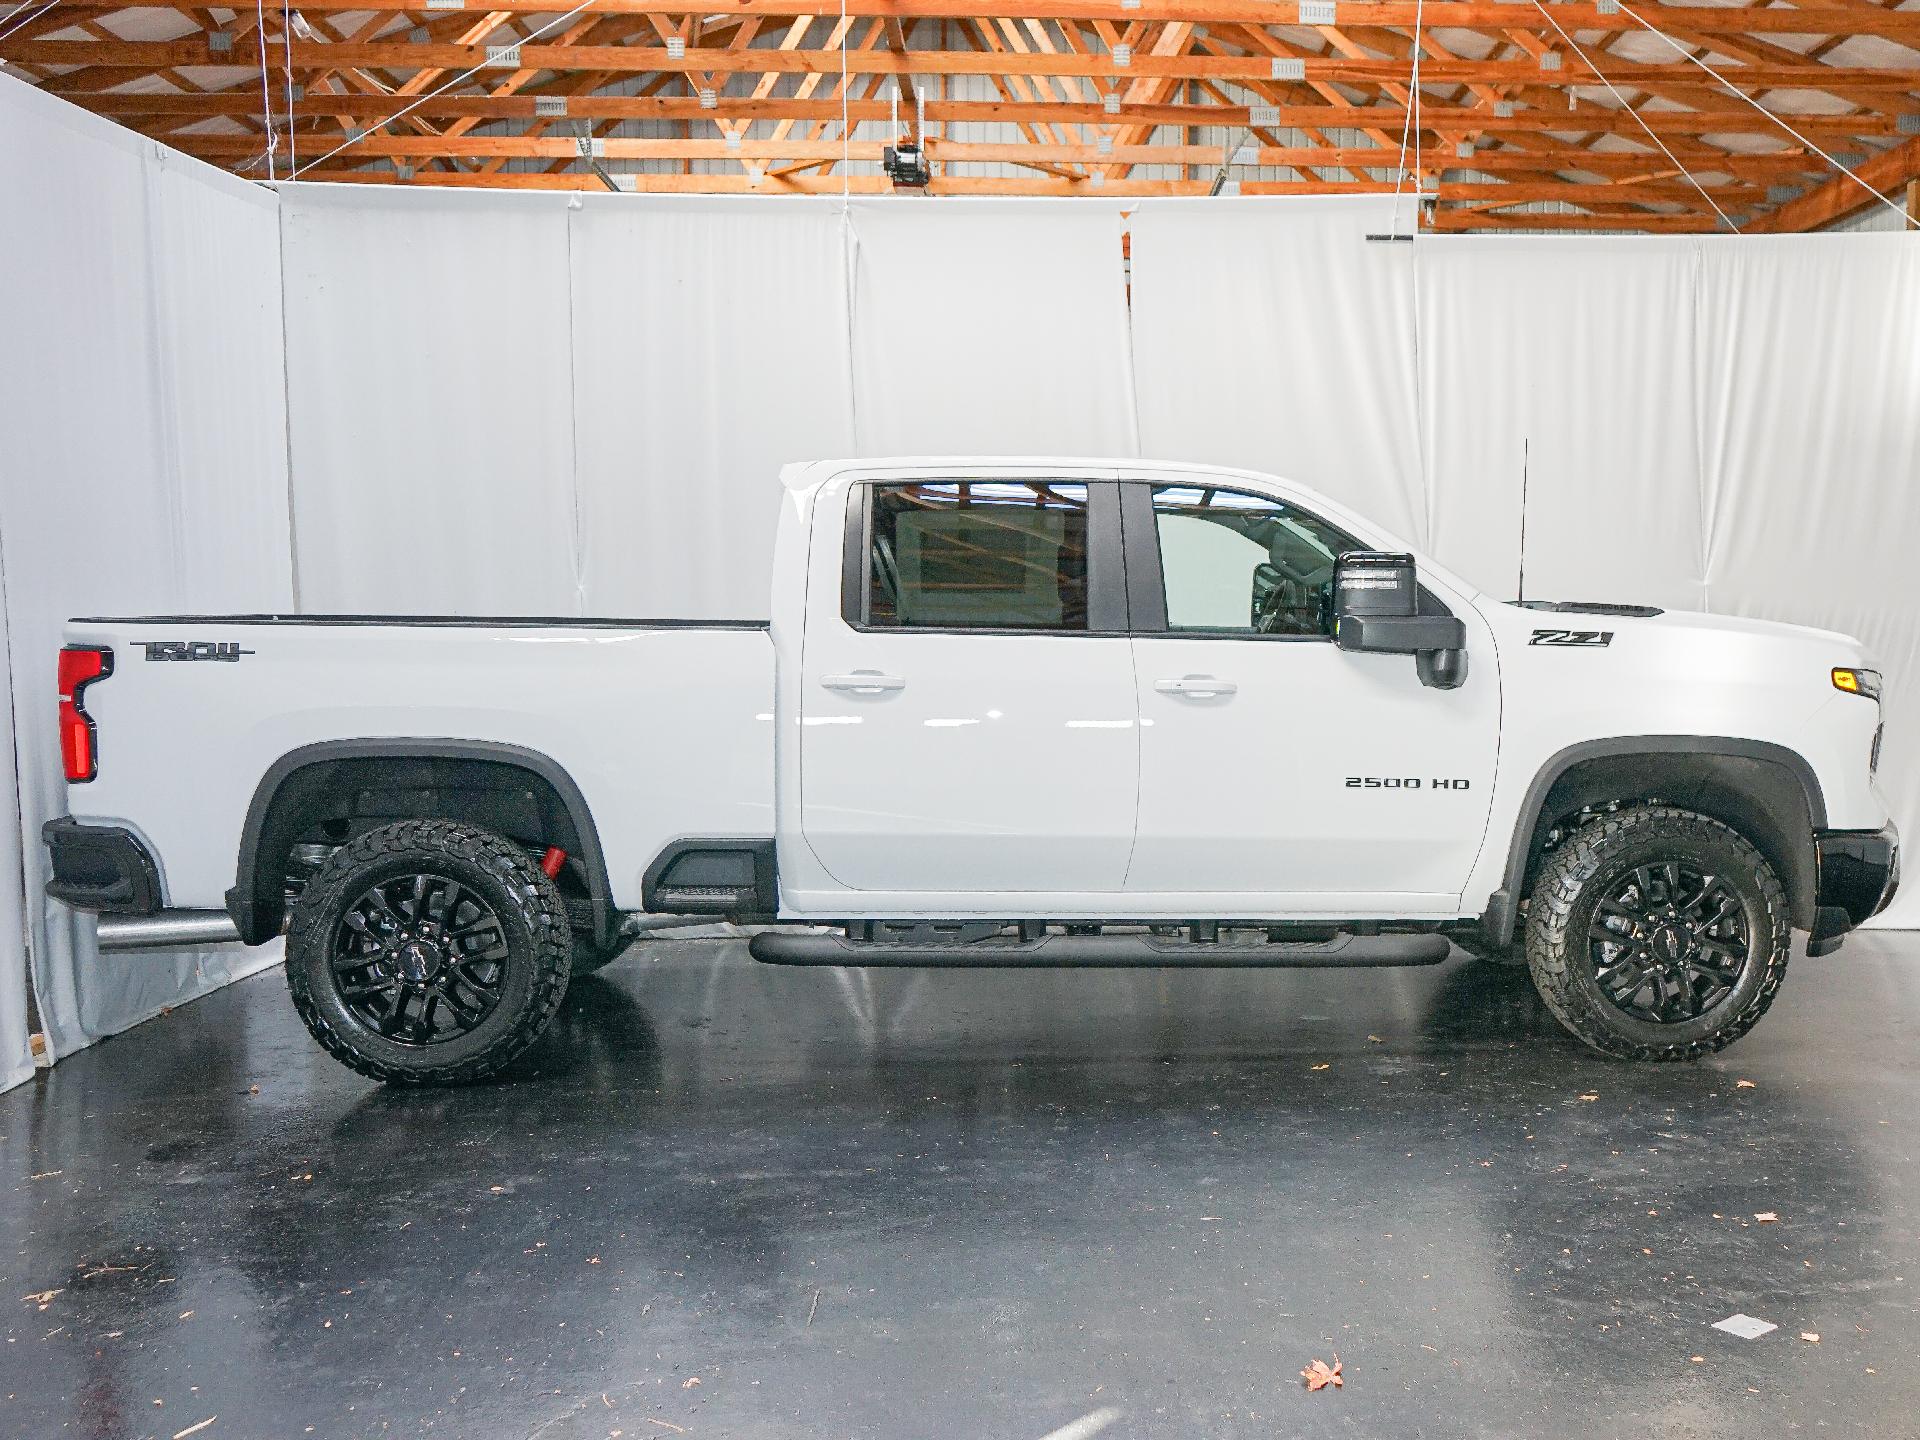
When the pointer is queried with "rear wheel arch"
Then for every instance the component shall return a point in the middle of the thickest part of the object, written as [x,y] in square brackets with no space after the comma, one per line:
[443,776]
[1767,793]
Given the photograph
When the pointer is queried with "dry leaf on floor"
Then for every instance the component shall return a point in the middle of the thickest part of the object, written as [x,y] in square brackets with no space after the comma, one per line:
[1589,1097]
[1323,1067]
[690,1382]
[1743,1084]
[1319,1375]
[42,1298]
[1765,1217]
[1810,1337]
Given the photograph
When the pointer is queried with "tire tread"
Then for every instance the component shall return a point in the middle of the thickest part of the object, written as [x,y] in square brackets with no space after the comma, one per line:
[1553,951]
[530,891]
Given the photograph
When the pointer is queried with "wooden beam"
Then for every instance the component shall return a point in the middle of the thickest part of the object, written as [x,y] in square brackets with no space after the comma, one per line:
[1840,197]
[367,108]
[1866,19]
[648,59]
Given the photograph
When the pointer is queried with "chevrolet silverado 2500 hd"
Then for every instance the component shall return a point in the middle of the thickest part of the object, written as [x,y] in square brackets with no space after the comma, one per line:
[1006,712]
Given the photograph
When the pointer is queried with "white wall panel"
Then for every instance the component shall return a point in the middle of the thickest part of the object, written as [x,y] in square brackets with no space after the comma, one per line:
[143,470]
[430,400]
[1271,333]
[710,347]
[990,327]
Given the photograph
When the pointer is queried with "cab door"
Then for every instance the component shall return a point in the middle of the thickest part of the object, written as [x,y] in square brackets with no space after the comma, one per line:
[1273,766]
[967,712]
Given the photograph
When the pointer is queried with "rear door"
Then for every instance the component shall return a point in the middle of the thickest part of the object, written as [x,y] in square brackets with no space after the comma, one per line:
[967,694]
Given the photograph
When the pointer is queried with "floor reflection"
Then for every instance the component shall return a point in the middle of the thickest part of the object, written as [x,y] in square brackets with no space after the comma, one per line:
[905,1203]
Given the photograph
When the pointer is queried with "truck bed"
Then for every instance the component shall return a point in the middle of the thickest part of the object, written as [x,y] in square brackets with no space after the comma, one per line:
[199,709]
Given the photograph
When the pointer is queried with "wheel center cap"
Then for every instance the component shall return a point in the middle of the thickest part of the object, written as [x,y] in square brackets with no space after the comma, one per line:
[417,960]
[1668,943]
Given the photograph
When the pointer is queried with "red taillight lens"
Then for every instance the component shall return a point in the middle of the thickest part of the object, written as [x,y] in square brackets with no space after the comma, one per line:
[80,666]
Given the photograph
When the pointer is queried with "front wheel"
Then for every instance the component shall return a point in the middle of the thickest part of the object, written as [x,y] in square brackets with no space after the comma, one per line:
[428,952]
[1655,933]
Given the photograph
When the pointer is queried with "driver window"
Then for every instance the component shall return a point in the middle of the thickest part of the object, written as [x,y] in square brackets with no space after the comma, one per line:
[1243,564]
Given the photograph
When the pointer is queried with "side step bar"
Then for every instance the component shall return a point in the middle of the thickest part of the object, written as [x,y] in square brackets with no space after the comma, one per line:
[1100,952]
[167,930]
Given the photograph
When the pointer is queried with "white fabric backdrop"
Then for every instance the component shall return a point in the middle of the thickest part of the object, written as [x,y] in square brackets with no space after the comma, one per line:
[144,470]
[429,400]
[1574,358]
[1810,384]
[990,327]
[1275,336]
[710,347]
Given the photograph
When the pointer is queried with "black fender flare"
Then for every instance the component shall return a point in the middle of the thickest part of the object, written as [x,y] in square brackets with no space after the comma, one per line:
[257,921]
[1497,923]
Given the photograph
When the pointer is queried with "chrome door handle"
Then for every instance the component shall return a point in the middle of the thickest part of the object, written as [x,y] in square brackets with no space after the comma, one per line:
[864,682]
[1196,685]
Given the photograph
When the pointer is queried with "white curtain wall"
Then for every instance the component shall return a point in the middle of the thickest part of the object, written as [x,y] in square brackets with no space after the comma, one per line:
[495,403]
[142,470]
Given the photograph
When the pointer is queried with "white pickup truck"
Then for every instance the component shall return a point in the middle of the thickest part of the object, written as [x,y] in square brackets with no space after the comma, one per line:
[1006,712]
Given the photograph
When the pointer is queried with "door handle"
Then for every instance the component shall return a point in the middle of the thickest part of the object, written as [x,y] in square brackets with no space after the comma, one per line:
[1196,685]
[864,682]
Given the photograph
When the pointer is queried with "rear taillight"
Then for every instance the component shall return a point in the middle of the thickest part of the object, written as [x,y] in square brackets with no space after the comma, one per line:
[80,666]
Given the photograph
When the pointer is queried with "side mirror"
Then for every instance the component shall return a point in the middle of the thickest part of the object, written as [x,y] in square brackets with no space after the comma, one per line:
[1376,607]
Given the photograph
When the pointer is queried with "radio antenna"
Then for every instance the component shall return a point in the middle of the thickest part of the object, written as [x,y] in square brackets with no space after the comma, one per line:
[1525,457]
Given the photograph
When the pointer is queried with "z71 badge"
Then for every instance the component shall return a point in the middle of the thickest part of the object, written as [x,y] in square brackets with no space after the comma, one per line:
[192,650]
[1572,637]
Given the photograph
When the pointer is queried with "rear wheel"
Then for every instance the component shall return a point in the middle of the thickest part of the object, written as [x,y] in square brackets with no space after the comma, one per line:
[1657,934]
[428,952]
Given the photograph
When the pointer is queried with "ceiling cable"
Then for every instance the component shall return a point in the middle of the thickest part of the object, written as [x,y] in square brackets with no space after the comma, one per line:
[1638,118]
[286,34]
[26,20]
[846,135]
[1409,130]
[266,92]
[434,93]
[1734,90]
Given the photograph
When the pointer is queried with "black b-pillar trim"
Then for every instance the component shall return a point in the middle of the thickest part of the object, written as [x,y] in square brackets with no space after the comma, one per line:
[1146,595]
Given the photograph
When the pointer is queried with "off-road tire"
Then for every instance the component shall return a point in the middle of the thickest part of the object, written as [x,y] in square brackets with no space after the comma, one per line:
[532,917]
[1577,877]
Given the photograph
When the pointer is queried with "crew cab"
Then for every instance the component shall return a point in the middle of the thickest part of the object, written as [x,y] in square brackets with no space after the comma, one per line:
[1012,712]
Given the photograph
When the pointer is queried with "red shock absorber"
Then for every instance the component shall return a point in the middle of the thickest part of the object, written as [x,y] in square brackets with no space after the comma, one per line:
[552,861]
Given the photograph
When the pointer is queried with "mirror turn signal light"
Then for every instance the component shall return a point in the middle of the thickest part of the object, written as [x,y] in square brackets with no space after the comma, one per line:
[1857,682]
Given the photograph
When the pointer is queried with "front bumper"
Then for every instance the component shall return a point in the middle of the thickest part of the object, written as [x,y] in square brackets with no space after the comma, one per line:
[101,868]
[1858,873]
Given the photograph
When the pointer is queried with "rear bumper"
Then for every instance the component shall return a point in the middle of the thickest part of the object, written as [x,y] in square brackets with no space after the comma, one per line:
[101,868]
[1859,871]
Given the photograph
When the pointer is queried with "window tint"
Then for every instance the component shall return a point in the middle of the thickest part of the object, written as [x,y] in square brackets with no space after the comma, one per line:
[1244,564]
[978,554]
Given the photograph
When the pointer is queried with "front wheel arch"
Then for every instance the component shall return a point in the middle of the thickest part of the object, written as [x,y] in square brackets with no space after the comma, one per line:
[1766,793]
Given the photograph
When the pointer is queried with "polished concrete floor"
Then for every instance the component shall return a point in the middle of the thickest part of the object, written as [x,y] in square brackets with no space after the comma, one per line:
[725,1199]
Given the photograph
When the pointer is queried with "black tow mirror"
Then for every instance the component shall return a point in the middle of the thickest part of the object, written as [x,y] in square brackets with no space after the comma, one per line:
[1376,607]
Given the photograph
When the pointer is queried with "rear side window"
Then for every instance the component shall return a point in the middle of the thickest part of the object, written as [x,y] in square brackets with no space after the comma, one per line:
[978,555]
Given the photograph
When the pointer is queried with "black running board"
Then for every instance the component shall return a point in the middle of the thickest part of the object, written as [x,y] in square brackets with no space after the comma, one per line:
[1101,952]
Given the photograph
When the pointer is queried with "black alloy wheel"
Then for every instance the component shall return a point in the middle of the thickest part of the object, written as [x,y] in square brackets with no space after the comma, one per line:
[1669,942]
[428,952]
[420,959]
[1656,933]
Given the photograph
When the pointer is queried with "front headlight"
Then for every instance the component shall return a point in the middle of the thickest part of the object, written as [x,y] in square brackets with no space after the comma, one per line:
[1857,682]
